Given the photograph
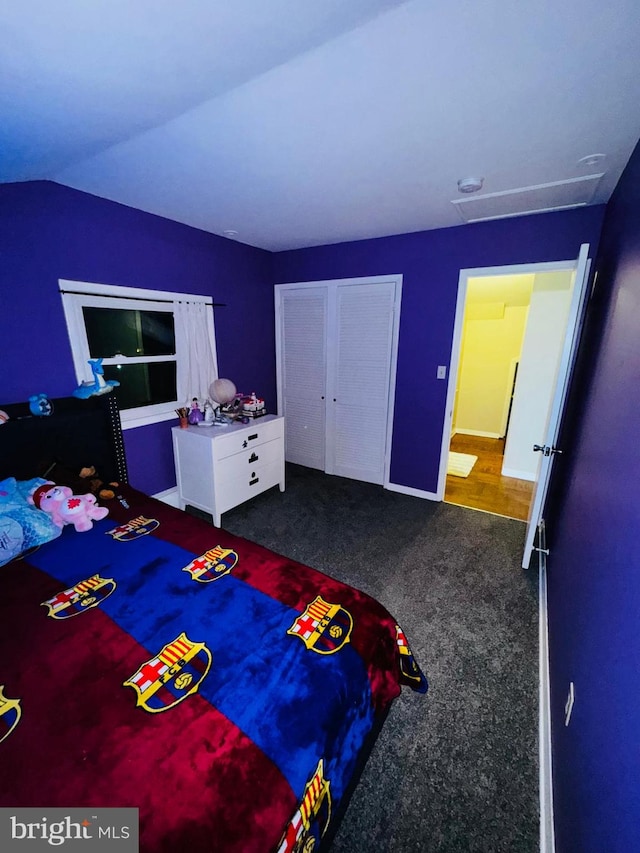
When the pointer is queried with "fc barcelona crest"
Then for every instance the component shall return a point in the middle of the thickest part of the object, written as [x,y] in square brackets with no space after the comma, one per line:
[211,565]
[410,672]
[83,596]
[134,529]
[323,627]
[10,713]
[171,676]
[312,817]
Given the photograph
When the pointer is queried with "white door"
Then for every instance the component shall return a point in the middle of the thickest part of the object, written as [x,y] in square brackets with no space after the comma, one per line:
[548,441]
[336,351]
[301,342]
[359,360]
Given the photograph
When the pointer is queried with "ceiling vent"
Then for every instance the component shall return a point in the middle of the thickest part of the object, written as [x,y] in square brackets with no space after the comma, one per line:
[541,198]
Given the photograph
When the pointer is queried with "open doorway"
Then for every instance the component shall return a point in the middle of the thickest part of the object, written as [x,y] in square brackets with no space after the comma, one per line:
[511,337]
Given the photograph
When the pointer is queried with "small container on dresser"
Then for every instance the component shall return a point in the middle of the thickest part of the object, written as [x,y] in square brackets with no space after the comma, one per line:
[218,468]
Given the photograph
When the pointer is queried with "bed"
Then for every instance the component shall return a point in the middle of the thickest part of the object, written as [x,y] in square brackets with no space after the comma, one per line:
[157,662]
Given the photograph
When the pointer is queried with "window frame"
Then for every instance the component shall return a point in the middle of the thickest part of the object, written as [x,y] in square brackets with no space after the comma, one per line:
[78,294]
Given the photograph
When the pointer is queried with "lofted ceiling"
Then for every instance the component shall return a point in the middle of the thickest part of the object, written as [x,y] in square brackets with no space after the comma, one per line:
[304,122]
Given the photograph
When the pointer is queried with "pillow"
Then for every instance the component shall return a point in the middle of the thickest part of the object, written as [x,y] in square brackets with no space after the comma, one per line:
[22,526]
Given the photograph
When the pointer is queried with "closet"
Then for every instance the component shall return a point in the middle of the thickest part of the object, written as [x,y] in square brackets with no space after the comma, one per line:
[336,348]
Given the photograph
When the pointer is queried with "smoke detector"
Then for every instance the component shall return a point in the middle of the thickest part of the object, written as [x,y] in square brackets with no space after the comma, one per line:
[470,185]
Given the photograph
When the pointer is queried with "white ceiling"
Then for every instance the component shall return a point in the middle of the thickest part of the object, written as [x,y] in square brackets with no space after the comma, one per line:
[303,122]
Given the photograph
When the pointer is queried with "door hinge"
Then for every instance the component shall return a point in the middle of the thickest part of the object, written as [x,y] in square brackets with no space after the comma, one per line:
[542,539]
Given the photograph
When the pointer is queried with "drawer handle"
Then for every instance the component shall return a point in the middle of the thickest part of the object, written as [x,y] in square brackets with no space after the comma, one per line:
[253,458]
[251,437]
[253,482]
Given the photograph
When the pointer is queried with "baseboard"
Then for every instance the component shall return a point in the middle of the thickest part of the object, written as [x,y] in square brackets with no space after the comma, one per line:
[169,496]
[416,493]
[478,432]
[518,475]
[547,836]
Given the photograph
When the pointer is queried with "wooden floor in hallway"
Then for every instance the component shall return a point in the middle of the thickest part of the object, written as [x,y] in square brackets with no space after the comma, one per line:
[485,488]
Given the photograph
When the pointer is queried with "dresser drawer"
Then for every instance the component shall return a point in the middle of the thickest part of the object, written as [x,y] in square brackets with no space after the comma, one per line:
[252,459]
[247,438]
[243,487]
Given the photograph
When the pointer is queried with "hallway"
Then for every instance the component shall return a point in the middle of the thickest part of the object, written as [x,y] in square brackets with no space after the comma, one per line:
[485,488]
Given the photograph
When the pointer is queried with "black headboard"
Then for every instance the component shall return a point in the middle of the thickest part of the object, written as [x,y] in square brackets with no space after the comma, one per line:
[78,434]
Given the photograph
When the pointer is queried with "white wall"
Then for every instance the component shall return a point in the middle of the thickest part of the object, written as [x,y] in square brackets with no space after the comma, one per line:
[541,349]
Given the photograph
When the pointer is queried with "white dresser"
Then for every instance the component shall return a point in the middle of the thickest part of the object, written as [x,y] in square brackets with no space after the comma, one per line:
[218,468]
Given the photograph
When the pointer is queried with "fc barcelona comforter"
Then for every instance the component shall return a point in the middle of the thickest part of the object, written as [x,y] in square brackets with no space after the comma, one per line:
[160,663]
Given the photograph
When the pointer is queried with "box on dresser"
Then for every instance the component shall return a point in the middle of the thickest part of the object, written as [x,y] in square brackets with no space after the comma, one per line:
[218,468]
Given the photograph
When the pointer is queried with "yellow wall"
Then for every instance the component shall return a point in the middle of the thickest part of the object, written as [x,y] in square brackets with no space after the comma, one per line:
[494,323]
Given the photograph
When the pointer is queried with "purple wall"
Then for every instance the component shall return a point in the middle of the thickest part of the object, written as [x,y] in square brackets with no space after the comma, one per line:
[594,564]
[49,232]
[430,262]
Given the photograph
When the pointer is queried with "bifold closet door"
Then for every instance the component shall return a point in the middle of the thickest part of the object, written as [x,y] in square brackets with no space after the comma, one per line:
[358,371]
[303,343]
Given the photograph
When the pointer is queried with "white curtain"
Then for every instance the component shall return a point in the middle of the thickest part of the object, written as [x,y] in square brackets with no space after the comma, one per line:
[196,349]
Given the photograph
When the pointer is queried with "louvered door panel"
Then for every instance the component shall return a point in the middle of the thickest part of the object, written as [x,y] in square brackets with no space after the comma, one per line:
[360,365]
[303,366]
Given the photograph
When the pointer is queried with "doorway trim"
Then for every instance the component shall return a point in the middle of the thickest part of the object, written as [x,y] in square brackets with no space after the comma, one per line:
[454,359]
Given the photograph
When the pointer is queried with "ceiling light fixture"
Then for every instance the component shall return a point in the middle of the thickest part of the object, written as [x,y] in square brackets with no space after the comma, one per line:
[230,233]
[590,159]
[470,185]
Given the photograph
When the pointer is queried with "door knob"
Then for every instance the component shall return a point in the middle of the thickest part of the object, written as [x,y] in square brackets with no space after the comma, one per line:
[544,448]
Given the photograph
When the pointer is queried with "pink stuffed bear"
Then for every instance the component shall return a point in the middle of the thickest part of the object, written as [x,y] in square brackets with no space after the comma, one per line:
[66,508]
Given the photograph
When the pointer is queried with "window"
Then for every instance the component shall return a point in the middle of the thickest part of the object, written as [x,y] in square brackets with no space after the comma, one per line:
[159,346]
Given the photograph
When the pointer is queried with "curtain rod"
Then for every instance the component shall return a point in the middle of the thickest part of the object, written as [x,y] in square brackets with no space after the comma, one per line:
[144,298]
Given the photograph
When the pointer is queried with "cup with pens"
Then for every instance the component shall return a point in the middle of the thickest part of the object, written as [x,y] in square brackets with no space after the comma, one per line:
[183,414]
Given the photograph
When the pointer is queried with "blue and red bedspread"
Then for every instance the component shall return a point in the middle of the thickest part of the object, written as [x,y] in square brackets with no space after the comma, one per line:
[161,663]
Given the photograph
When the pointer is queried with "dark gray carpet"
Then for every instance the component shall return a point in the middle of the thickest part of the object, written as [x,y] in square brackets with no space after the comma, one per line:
[457,769]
